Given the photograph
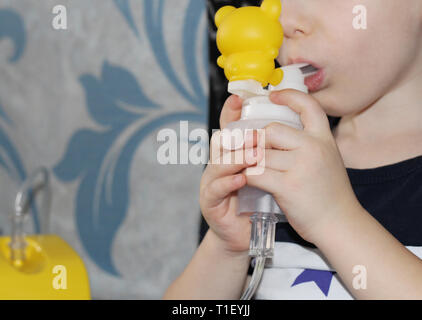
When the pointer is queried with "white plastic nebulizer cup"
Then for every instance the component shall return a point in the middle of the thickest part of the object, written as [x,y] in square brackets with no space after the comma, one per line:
[257,112]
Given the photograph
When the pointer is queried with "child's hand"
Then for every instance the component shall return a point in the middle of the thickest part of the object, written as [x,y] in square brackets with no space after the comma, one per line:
[218,199]
[304,170]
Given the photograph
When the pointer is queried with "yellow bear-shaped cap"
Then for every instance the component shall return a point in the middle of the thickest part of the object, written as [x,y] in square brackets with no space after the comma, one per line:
[249,39]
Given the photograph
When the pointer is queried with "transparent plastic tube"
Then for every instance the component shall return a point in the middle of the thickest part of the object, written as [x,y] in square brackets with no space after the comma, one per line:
[256,279]
[262,235]
[17,243]
[38,180]
[261,246]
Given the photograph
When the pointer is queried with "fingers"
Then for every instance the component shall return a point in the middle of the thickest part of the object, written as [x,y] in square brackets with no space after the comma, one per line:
[231,162]
[233,139]
[220,145]
[225,141]
[280,136]
[268,180]
[231,111]
[220,188]
[216,145]
[277,160]
[313,117]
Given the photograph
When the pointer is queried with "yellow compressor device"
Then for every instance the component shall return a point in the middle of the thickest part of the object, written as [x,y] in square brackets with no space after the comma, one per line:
[39,267]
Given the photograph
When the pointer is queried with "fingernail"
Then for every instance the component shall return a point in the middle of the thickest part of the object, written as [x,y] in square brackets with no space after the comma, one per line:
[274,96]
[236,101]
[251,156]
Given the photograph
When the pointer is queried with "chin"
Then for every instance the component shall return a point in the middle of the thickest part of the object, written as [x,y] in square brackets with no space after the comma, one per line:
[329,103]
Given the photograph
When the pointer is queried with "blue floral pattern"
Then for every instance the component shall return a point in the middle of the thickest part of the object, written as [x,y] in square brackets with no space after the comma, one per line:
[12,27]
[96,157]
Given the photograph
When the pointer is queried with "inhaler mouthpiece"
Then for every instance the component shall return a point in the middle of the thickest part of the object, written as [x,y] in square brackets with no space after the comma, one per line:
[293,79]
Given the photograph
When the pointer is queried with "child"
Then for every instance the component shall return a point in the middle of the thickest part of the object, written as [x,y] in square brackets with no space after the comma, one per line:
[366,220]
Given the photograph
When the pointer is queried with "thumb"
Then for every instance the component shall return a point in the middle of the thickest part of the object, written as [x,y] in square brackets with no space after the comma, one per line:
[311,113]
[231,111]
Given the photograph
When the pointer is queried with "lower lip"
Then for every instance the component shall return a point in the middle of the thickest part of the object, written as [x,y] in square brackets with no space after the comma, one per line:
[315,81]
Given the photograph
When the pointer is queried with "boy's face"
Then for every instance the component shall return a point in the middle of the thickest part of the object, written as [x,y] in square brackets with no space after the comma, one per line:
[359,66]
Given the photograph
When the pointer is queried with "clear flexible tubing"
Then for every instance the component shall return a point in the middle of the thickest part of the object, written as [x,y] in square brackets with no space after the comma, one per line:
[261,247]
[36,181]
[255,280]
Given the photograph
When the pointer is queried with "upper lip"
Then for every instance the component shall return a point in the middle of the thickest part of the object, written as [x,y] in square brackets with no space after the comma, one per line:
[302,60]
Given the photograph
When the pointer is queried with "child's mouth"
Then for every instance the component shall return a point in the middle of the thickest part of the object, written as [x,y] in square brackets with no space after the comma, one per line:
[315,81]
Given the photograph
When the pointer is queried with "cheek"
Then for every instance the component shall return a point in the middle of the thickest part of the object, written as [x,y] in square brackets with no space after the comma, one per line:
[354,87]
[363,67]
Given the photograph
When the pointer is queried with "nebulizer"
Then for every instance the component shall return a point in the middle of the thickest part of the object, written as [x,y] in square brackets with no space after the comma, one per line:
[37,266]
[249,39]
